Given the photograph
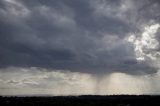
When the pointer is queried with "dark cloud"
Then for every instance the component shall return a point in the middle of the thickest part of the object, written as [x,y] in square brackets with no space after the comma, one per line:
[76,35]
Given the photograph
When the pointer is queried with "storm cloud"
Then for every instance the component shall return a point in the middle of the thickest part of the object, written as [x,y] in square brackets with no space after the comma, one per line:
[78,35]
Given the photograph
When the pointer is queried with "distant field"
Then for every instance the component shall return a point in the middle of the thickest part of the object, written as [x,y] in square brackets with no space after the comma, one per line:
[114,100]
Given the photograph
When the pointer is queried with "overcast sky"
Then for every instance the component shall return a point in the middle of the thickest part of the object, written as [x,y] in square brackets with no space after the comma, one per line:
[74,47]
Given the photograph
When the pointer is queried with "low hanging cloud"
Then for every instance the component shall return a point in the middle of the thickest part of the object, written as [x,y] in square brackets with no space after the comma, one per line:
[37,81]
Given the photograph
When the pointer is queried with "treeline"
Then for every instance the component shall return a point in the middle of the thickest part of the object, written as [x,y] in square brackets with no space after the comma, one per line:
[85,100]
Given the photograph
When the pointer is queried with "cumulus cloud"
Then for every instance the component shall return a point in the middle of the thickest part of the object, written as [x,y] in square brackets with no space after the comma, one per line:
[147,45]
[147,42]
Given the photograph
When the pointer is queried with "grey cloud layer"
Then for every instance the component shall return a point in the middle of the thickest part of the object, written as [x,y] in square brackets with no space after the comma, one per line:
[77,35]
[38,81]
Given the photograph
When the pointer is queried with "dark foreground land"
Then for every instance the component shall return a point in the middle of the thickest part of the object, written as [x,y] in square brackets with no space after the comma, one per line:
[114,100]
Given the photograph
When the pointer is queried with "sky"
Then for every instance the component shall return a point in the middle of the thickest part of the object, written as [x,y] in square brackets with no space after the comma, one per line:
[79,47]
